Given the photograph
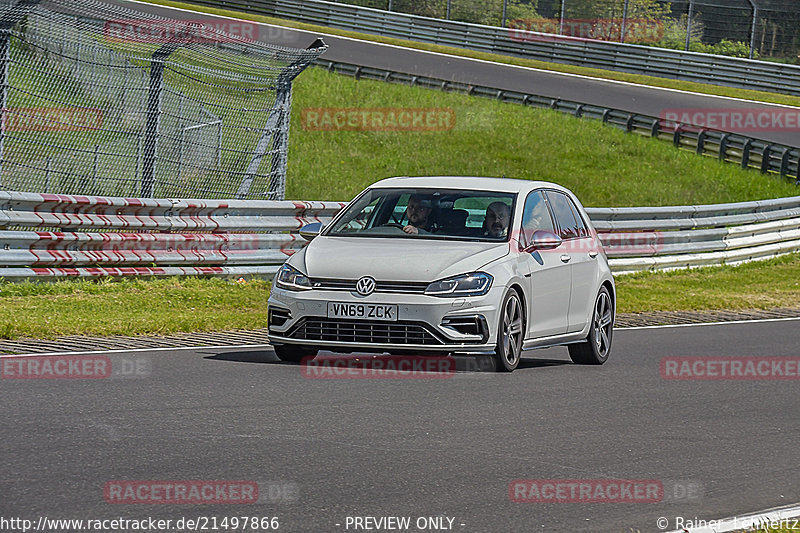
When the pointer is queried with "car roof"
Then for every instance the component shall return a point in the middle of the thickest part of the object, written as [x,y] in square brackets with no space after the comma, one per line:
[465,182]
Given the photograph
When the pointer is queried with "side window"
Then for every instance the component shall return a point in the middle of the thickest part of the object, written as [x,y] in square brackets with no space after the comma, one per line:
[535,216]
[583,231]
[569,227]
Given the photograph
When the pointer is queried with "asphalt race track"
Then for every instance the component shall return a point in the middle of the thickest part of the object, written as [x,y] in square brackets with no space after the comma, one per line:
[323,450]
[627,97]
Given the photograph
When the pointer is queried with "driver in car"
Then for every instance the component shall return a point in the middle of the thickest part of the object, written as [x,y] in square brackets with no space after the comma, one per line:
[419,214]
[498,215]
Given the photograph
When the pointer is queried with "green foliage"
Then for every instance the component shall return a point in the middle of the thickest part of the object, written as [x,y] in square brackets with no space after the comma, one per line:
[613,9]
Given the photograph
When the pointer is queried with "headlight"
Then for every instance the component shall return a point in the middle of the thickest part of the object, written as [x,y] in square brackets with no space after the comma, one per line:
[292,279]
[474,284]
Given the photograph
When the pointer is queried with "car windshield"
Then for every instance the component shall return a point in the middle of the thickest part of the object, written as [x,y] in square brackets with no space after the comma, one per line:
[427,214]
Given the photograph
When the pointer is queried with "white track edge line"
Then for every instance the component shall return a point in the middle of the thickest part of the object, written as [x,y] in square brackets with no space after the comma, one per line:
[129,350]
[219,346]
[720,323]
[441,54]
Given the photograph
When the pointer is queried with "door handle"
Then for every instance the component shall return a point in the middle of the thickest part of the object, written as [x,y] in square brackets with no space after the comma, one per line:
[593,254]
[565,258]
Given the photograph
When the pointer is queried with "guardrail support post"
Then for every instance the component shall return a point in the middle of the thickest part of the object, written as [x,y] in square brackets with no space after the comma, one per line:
[655,128]
[765,158]
[748,144]
[784,162]
[676,136]
[723,146]
[701,142]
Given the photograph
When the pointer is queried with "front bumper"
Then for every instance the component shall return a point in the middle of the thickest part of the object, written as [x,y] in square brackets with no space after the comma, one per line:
[424,323]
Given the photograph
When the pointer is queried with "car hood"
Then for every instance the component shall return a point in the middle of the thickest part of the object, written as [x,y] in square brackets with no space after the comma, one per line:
[394,259]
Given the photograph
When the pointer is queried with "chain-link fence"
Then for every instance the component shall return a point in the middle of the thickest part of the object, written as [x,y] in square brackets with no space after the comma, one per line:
[98,99]
[742,28]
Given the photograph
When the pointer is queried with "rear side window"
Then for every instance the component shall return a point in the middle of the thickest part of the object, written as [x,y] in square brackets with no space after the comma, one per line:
[570,224]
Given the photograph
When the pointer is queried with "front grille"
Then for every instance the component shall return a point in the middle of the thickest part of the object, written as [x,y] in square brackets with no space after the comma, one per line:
[367,332]
[412,287]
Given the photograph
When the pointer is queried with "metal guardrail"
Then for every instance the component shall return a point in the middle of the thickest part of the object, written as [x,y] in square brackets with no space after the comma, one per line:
[748,152]
[55,236]
[637,59]
[52,236]
[663,238]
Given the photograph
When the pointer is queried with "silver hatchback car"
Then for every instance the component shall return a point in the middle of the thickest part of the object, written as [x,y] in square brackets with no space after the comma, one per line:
[448,265]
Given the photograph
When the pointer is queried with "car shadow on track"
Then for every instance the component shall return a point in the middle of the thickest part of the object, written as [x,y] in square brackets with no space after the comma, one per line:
[463,363]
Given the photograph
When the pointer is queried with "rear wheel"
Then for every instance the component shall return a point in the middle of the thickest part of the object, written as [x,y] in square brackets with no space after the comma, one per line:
[510,332]
[294,354]
[597,346]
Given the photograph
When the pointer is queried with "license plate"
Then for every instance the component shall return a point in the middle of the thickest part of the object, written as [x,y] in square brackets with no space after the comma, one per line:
[387,313]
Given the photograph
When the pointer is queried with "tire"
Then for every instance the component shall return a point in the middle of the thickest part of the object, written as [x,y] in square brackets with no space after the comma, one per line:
[294,354]
[510,332]
[597,346]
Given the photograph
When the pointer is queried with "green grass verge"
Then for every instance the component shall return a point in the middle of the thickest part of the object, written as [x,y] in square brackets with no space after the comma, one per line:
[130,307]
[603,165]
[759,285]
[654,81]
[163,306]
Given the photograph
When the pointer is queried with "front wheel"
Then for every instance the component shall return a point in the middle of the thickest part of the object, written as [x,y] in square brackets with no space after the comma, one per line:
[510,333]
[294,354]
[597,346]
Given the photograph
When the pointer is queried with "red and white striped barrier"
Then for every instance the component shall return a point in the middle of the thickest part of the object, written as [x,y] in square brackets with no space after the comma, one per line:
[95,236]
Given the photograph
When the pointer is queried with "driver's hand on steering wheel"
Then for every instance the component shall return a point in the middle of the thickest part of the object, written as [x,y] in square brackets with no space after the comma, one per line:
[412,230]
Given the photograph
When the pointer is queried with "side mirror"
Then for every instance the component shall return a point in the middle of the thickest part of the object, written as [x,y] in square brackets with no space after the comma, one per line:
[309,231]
[543,240]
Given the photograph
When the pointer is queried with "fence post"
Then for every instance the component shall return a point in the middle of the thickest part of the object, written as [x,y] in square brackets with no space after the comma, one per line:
[273,137]
[505,10]
[154,117]
[16,12]
[47,174]
[447,16]
[753,27]
[219,144]
[624,20]
[689,24]
[94,168]
[561,19]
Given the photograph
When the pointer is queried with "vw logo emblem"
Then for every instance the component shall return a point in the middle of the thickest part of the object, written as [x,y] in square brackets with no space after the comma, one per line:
[365,286]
